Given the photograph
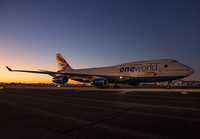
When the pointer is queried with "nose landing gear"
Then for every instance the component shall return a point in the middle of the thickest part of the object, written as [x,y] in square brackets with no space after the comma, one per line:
[168,85]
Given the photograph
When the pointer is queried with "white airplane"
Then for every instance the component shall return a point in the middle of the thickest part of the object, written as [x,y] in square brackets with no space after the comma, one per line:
[129,73]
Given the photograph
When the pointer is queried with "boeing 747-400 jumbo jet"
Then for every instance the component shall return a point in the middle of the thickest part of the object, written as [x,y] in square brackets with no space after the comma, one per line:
[129,73]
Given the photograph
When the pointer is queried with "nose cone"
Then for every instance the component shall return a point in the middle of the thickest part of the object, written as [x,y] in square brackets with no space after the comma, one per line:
[191,71]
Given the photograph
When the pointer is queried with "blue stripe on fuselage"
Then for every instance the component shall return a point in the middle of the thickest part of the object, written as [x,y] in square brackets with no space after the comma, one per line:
[154,79]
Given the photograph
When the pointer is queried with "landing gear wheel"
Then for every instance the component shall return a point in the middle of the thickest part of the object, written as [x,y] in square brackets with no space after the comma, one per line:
[169,87]
[102,87]
[116,86]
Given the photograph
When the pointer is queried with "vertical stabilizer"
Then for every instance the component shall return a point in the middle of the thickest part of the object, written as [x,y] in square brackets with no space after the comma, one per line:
[62,64]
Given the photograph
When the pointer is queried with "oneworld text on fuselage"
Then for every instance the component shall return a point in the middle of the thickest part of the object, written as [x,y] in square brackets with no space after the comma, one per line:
[148,67]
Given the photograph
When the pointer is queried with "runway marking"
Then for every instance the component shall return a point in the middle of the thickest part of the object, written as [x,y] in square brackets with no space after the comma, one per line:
[184,93]
[124,91]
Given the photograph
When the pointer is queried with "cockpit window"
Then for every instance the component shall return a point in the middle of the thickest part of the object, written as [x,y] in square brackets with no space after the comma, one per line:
[174,61]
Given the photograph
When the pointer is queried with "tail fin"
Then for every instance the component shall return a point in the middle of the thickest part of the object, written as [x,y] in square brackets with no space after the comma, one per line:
[62,64]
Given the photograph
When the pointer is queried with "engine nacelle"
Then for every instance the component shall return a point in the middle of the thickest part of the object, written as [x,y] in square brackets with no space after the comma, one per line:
[101,82]
[60,79]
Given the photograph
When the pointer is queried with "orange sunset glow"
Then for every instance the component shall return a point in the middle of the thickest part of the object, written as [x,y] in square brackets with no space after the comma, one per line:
[8,77]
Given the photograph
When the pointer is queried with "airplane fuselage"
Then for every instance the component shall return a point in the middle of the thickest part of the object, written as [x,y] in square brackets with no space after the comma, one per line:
[144,71]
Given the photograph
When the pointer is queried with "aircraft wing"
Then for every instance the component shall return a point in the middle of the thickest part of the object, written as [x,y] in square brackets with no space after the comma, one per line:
[54,74]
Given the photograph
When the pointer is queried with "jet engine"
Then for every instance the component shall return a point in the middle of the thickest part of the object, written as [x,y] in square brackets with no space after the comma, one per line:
[101,82]
[60,79]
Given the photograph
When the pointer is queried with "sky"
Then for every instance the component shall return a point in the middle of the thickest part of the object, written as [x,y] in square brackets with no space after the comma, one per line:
[96,33]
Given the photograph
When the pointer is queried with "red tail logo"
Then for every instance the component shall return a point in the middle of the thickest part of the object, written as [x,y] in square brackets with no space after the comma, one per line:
[64,68]
[60,59]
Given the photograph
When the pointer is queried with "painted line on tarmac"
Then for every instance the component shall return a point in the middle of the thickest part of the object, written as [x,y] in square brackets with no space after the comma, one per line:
[184,93]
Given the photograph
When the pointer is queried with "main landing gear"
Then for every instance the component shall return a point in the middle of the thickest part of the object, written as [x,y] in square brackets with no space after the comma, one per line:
[116,86]
[102,87]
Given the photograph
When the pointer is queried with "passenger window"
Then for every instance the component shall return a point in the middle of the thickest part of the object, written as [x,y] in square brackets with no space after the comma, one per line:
[165,65]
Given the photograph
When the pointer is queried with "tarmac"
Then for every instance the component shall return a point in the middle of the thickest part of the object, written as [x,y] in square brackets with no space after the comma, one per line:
[87,112]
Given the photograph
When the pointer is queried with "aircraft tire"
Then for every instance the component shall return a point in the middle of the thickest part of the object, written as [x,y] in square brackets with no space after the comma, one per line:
[116,86]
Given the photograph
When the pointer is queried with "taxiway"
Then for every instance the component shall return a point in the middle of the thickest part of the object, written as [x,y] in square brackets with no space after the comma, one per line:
[87,112]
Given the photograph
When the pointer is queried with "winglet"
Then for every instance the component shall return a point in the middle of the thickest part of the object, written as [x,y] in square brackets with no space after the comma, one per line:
[9,68]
